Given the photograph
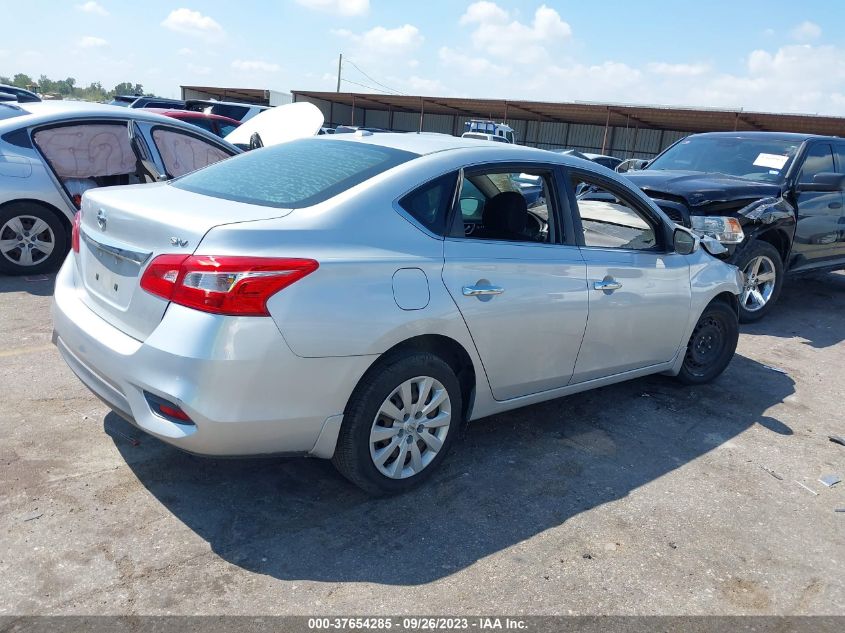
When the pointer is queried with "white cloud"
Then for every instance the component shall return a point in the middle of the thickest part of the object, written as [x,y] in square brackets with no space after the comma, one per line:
[381,41]
[771,77]
[421,85]
[484,12]
[253,65]
[199,70]
[340,7]
[193,23]
[469,65]
[89,41]
[678,70]
[186,52]
[806,32]
[92,7]
[497,35]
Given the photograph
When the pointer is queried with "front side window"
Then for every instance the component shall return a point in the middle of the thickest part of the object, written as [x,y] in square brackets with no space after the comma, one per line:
[511,206]
[294,175]
[609,219]
[819,160]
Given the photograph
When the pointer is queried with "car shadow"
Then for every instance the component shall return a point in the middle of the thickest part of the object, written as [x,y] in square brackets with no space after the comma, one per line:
[38,285]
[512,476]
[810,306]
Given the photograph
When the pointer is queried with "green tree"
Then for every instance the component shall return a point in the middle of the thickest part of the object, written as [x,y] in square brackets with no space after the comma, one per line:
[127,88]
[22,81]
[45,84]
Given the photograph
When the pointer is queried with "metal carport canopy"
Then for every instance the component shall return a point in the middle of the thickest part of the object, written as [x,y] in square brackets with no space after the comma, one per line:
[656,117]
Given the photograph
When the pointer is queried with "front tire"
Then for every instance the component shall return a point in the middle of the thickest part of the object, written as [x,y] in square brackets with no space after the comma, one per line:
[33,239]
[762,266]
[712,344]
[399,424]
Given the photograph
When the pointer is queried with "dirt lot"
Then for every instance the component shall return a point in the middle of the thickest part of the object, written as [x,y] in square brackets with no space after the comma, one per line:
[642,498]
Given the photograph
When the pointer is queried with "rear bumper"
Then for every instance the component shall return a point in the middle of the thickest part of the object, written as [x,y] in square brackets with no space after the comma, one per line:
[236,378]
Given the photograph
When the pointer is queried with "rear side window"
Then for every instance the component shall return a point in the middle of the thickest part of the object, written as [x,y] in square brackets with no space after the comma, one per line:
[182,153]
[231,111]
[294,175]
[430,204]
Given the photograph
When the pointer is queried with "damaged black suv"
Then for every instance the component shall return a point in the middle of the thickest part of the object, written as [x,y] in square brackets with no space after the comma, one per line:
[775,200]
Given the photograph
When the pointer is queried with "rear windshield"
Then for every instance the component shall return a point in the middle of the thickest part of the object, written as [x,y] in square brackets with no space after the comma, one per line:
[293,175]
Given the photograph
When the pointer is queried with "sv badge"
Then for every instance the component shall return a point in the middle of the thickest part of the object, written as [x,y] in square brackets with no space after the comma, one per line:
[178,241]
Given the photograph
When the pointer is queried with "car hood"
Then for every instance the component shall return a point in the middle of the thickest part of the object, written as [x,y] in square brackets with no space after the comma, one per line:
[280,124]
[701,189]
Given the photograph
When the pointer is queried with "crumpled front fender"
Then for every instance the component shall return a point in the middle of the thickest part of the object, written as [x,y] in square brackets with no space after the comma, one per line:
[768,211]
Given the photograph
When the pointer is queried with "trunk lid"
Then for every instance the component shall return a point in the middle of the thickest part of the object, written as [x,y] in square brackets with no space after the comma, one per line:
[279,125]
[124,228]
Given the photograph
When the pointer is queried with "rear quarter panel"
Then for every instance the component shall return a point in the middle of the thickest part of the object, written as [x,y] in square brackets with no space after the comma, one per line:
[347,306]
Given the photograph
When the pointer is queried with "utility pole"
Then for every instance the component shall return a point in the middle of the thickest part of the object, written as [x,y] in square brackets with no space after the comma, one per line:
[339,67]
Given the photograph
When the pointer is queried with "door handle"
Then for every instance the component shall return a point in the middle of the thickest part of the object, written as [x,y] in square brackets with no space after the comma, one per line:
[481,291]
[608,283]
[834,205]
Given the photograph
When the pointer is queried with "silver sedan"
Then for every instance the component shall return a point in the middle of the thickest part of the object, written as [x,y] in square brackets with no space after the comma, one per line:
[360,297]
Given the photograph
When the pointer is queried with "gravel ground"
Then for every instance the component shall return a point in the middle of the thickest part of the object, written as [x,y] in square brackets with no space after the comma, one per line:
[641,498]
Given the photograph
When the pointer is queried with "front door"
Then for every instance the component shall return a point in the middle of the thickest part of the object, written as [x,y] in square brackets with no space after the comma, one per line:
[519,287]
[819,231]
[639,291]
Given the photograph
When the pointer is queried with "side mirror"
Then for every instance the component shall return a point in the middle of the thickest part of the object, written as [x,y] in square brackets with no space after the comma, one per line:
[824,183]
[684,242]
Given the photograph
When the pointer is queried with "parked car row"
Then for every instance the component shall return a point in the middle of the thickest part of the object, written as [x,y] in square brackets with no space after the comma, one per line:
[230,109]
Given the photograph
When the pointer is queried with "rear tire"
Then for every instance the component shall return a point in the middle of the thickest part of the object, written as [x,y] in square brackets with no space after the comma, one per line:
[399,424]
[711,345]
[763,267]
[33,239]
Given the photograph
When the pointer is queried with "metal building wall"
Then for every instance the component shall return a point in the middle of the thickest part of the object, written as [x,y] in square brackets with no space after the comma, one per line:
[621,141]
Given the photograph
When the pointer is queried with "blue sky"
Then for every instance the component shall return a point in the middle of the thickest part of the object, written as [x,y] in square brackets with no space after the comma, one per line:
[762,55]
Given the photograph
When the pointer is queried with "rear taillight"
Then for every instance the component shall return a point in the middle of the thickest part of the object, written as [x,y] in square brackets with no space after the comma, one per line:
[74,233]
[238,286]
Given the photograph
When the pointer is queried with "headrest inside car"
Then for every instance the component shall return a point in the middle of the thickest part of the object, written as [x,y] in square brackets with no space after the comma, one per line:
[506,211]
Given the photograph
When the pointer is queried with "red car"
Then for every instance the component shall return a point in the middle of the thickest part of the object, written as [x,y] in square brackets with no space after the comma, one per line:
[214,123]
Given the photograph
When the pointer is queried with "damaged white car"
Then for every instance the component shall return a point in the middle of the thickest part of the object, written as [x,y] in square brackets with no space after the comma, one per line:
[51,153]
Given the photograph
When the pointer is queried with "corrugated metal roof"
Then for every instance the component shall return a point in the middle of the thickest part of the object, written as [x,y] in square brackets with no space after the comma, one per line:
[655,117]
[246,95]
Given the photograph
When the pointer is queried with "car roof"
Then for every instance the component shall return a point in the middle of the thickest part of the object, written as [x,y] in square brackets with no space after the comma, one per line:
[425,144]
[786,136]
[190,114]
[44,112]
[212,102]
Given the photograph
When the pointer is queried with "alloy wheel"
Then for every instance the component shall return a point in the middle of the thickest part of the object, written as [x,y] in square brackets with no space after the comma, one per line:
[760,277]
[26,240]
[410,427]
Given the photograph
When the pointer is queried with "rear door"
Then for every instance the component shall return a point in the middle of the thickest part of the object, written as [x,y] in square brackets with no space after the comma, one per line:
[517,279]
[819,231]
[639,291]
